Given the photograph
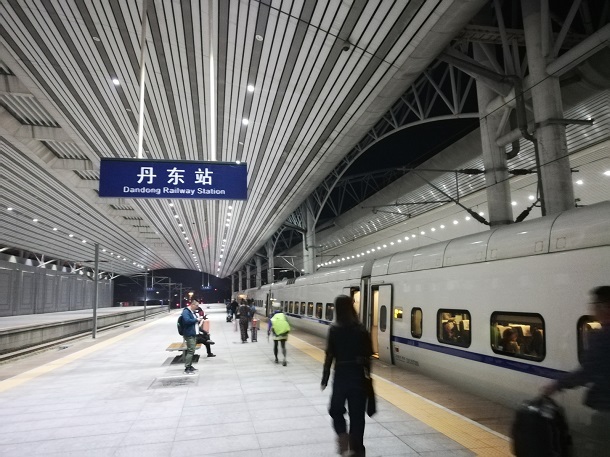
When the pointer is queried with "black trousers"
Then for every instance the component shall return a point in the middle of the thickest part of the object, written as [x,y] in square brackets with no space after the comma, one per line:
[349,389]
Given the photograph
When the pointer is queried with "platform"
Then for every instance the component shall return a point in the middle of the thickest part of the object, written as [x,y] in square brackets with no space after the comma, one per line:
[119,395]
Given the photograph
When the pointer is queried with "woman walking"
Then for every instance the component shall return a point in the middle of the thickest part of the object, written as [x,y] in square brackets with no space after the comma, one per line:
[349,344]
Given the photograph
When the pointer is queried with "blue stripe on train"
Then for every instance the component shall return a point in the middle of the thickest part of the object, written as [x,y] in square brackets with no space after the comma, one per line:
[509,364]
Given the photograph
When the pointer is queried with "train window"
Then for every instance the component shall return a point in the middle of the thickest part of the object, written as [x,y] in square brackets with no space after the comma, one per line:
[416,322]
[310,309]
[453,327]
[397,313]
[285,306]
[587,326]
[319,310]
[290,307]
[519,335]
[330,311]
[383,316]
[303,308]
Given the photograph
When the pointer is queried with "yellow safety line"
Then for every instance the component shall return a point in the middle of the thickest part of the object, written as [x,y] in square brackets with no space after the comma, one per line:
[454,426]
[48,367]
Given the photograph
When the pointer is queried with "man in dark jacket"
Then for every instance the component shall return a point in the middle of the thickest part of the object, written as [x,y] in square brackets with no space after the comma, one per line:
[189,332]
[595,373]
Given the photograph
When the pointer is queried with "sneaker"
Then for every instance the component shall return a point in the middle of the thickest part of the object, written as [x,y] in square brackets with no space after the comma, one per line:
[277,361]
[211,355]
[192,368]
[187,371]
[284,363]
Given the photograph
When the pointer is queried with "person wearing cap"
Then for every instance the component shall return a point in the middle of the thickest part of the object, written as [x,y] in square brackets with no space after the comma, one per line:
[279,326]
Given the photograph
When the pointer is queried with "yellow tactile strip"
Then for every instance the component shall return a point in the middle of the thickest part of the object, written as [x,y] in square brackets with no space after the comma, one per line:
[469,434]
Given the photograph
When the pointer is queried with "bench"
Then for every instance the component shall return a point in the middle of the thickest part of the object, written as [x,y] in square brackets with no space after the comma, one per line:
[181,347]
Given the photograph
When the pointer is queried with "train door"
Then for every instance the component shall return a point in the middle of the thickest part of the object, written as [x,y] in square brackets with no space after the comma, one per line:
[381,322]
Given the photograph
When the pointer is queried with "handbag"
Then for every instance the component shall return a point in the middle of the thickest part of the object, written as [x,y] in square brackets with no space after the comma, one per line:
[203,338]
[371,403]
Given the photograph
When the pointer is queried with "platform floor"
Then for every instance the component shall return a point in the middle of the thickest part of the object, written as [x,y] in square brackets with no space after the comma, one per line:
[120,395]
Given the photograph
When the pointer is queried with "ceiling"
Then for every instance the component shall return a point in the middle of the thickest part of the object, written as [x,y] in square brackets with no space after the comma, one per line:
[322,74]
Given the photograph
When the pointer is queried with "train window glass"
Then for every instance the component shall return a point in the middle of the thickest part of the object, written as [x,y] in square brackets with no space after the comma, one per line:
[587,326]
[453,327]
[285,306]
[383,316]
[397,313]
[416,322]
[330,311]
[290,307]
[319,310]
[310,309]
[519,335]
[303,308]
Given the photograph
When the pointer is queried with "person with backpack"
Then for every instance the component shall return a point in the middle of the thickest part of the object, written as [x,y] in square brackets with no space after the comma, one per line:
[187,327]
[278,324]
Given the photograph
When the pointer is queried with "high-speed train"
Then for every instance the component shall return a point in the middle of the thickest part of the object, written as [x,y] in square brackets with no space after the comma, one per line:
[446,308]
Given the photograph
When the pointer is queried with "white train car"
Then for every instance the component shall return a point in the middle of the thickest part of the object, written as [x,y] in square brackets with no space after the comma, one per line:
[443,309]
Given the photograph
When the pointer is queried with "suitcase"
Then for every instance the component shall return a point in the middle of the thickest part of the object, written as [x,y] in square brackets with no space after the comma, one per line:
[540,430]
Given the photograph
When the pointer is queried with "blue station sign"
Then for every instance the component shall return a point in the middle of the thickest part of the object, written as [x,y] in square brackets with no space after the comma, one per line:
[141,178]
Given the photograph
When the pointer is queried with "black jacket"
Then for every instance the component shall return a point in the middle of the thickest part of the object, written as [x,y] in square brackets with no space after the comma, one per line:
[594,372]
[350,346]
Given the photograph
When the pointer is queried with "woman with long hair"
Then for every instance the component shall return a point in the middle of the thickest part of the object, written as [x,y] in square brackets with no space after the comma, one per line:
[349,345]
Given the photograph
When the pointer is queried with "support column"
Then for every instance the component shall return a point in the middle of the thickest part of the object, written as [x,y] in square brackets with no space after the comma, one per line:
[270,264]
[494,157]
[259,272]
[232,283]
[240,275]
[248,274]
[555,173]
[309,241]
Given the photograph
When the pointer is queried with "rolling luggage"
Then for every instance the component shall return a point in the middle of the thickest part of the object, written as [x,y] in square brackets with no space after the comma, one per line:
[540,430]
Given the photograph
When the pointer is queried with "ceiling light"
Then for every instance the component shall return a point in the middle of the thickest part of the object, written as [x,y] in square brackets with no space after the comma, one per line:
[258,37]
[34,220]
[579,182]
[96,38]
[481,213]
[245,121]
[531,197]
[179,225]
[455,222]
[422,232]
[116,82]
[250,88]
[467,218]
[607,172]
[413,236]
[433,229]
[55,229]
[171,204]
[9,209]
[513,203]
[176,216]
[399,240]
[70,235]
[84,241]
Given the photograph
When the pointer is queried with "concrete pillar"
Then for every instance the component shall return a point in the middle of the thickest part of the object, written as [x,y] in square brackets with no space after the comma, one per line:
[240,275]
[248,274]
[259,271]
[270,264]
[556,177]
[232,284]
[494,157]
[309,241]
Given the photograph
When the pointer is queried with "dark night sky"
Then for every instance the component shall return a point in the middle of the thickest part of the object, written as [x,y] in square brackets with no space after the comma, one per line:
[132,289]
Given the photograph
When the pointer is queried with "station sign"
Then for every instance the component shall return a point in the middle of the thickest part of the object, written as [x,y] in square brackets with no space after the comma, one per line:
[142,178]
